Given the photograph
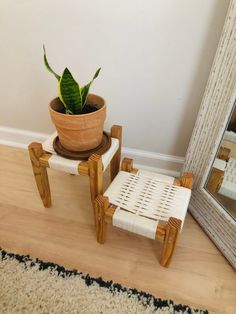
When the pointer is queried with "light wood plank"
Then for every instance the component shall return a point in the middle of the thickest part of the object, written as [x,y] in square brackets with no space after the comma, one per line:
[198,275]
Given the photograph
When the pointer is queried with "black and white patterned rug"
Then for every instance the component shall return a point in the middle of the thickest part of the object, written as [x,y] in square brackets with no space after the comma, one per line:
[33,286]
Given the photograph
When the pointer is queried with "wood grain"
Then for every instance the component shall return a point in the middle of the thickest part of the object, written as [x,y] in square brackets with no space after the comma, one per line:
[101,204]
[215,180]
[116,132]
[199,275]
[186,180]
[95,176]
[171,235]
[40,173]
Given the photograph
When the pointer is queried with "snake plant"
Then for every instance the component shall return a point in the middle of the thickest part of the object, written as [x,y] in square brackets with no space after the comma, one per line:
[70,93]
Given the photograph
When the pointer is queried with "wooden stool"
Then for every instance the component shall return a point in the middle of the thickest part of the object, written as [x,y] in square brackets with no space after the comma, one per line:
[43,156]
[145,203]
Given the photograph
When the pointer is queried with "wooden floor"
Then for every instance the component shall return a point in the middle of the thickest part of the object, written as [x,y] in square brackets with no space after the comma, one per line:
[198,276]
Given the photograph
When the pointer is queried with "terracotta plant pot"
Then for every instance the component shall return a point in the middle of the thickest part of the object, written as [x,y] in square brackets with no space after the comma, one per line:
[79,132]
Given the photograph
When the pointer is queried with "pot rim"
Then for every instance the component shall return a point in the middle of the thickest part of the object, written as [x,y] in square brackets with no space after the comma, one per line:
[78,115]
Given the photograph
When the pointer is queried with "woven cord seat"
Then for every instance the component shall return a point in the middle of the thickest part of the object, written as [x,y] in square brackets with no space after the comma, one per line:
[142,202]
[147,204]
[64,164]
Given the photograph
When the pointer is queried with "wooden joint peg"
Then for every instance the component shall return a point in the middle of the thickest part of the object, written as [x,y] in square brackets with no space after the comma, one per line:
[116,132]
[101,205]
[171,234]
[95,176]
[40,173]
[186,180]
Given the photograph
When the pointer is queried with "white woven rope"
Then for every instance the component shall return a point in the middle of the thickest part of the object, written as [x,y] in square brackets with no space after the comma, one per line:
[228,186]
[230,136]
[144,200]
[158,176]
[71,166]
[220,164]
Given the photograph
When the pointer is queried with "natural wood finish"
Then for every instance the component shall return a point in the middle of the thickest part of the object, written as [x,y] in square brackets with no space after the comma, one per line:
[167,232]
[95,176]
[109,212]
[232,123]
[170,238]
[40,173]
[83,168]
[64,234]
[186,180]
[177,182]
[116,132]
[101,204]
[127,164]
[44,160]
[215,180]
[224,153]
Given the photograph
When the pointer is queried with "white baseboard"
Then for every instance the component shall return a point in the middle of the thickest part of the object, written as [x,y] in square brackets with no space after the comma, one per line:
[166,164]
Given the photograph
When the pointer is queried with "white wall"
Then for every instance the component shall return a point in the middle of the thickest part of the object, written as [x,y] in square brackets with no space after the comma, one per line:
[155,57]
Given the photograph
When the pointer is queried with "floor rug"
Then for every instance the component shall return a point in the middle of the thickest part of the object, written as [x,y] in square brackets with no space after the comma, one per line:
[31,286]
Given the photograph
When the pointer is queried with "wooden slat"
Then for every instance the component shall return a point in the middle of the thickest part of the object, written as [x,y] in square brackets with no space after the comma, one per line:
[116,132]
[95,176]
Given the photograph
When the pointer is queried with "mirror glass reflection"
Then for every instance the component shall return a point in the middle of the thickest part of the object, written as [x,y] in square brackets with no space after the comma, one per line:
[221,181]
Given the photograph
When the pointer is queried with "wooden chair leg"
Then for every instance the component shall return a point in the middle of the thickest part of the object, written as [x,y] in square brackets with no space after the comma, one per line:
[215,180]
[186,180]
[127,165]
[40,173]
[116,132]
[171,235]
[101,204]
[95,176]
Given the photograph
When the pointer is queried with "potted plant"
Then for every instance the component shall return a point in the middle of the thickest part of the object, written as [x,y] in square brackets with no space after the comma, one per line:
[77,115]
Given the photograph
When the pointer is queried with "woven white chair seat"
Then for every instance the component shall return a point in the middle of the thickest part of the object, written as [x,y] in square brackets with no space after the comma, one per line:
[228,186]
[144,199]
[230,136]
[71,166]
[220,164]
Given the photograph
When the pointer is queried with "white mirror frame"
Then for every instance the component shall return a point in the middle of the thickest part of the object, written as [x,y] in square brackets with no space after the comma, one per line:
[215,110]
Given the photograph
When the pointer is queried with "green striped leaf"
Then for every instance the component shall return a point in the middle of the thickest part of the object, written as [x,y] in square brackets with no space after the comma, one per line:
[85,89]
[69,93]
[47,64]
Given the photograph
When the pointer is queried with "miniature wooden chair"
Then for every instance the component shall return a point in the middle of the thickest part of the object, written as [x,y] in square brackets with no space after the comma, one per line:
[43,156]
[145,203]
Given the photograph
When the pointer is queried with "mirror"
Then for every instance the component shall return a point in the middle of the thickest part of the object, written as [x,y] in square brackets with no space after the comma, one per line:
[212,210]
[221,181]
